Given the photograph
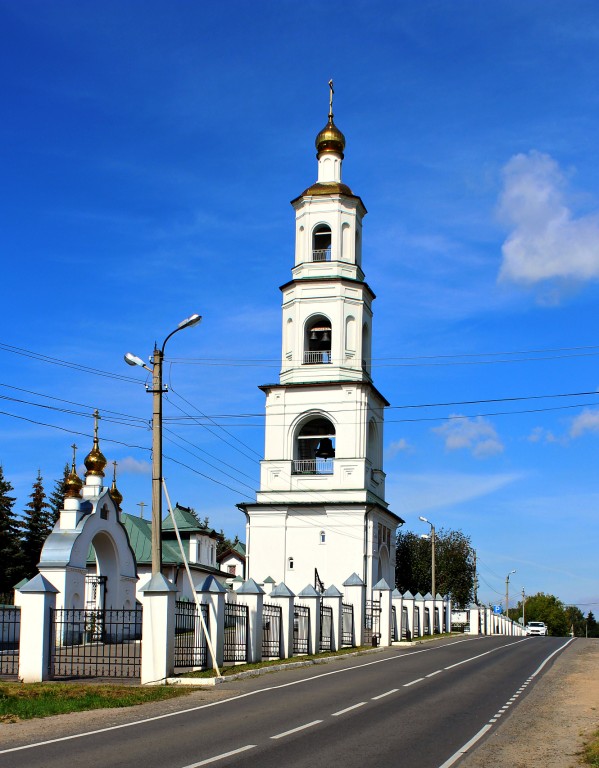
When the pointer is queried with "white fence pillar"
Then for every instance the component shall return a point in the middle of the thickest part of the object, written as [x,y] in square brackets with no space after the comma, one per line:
[474,620]
[334,600]
[212,594]
[253,596]
[283,595]
[355,593]
[37,598]
[158,630]
[310,597]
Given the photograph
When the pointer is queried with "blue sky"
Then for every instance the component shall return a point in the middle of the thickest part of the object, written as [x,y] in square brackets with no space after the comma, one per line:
[148,153]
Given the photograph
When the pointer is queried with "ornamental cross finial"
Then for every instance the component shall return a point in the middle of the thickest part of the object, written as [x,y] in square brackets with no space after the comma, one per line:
[331,92]
[96,418]
[74,447]
[114,464]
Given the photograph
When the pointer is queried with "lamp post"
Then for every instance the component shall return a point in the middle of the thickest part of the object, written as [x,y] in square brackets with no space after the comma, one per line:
[507,592]
[433,583]
[157,391]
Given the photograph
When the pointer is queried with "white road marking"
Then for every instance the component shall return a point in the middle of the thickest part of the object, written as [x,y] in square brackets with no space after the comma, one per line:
[220,757]
[348,709]
[295,730]
[406,685]
[466,747]
[382,695]
[480,655]
[432,674]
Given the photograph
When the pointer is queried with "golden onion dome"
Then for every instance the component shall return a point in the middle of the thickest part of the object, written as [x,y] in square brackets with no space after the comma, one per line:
[73,484]
[95,460]
[330,139]
[116,495]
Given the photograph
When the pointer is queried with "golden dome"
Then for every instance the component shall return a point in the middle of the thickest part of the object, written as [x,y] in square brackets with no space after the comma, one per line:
[73,483]
[330,139]
[114,492]
[95,460]
[328,188]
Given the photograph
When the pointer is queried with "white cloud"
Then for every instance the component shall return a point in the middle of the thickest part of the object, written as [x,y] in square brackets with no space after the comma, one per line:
[547,241]
[398,446]
[477,435]
[416,494]
[587,421]
[542,435]
[132,466]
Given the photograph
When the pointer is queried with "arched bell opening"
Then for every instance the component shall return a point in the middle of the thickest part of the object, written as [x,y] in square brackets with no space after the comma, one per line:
[314,448]
[321,243]
[317,341]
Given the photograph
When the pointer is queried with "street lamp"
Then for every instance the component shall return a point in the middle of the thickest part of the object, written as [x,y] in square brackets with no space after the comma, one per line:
[433,583]
[157,390]
[507,592]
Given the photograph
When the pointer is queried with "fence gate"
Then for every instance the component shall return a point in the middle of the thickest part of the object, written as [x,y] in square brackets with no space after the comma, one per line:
[95,643]
[271,631]
[10,632]
[301,629]
[372,617]
[347,624]
[326,628]
[191,645]
[236,632]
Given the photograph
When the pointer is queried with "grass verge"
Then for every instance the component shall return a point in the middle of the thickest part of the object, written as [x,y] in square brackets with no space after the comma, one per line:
[237,668]
[20,701]
[590,753]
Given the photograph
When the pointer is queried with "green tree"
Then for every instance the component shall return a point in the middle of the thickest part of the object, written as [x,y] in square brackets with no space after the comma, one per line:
[592,627]
[11,556]
[547,608]
[454,565]
[37,524]
[56,498]
[576,620]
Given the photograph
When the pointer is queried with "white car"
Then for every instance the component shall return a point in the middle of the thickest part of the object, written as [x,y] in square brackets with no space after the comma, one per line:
[536,628]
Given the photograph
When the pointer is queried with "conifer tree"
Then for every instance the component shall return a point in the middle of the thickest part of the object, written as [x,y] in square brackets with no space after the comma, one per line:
[11,570]
[37,524]
[56,498]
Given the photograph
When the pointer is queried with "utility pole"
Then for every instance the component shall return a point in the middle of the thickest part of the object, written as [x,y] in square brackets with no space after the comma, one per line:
[523,602]
[507,593]
[475,579]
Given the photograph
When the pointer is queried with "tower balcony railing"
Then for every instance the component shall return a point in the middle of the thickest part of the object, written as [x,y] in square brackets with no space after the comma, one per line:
[312,467]
[321,254]
[317,358]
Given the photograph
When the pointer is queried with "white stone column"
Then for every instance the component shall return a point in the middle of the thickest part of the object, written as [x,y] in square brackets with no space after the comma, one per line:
[332,598]
[283,595]
[253,596]
[38,598]
[355,593]
[383,591]
[212,594]
[158,630]
[474,619]
[310,597]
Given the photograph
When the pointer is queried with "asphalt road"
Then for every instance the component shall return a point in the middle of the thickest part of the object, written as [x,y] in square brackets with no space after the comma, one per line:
[414,706]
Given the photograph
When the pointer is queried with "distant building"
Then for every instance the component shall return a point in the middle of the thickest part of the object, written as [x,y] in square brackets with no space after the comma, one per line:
[232,561]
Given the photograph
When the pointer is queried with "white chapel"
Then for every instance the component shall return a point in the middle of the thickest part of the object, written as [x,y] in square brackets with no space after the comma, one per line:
[320,514]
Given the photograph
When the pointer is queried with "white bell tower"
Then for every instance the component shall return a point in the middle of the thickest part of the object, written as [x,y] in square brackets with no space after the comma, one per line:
[320,514]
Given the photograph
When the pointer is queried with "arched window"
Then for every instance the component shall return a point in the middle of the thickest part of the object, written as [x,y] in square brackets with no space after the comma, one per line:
[317,341]
[366,348]
[314,448]
[290,563]
[321,243]
[322,537]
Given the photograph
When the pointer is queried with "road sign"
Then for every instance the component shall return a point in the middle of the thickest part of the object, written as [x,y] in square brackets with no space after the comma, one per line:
[497,609]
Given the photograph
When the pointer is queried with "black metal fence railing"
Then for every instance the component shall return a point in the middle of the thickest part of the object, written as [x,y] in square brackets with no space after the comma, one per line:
[191,644]
[347,620]
[271,631]
[10,632]
[416,623]
[438,625]
[326,628]
[372,617]
[394,629]
[236,632]
[405,630]
[427,621]
[301,629]
[95,643]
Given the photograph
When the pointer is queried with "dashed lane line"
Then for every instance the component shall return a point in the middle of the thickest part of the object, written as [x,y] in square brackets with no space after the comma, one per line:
[293,730]
[413,682]
[387,693]
[221,757]
[348,709]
